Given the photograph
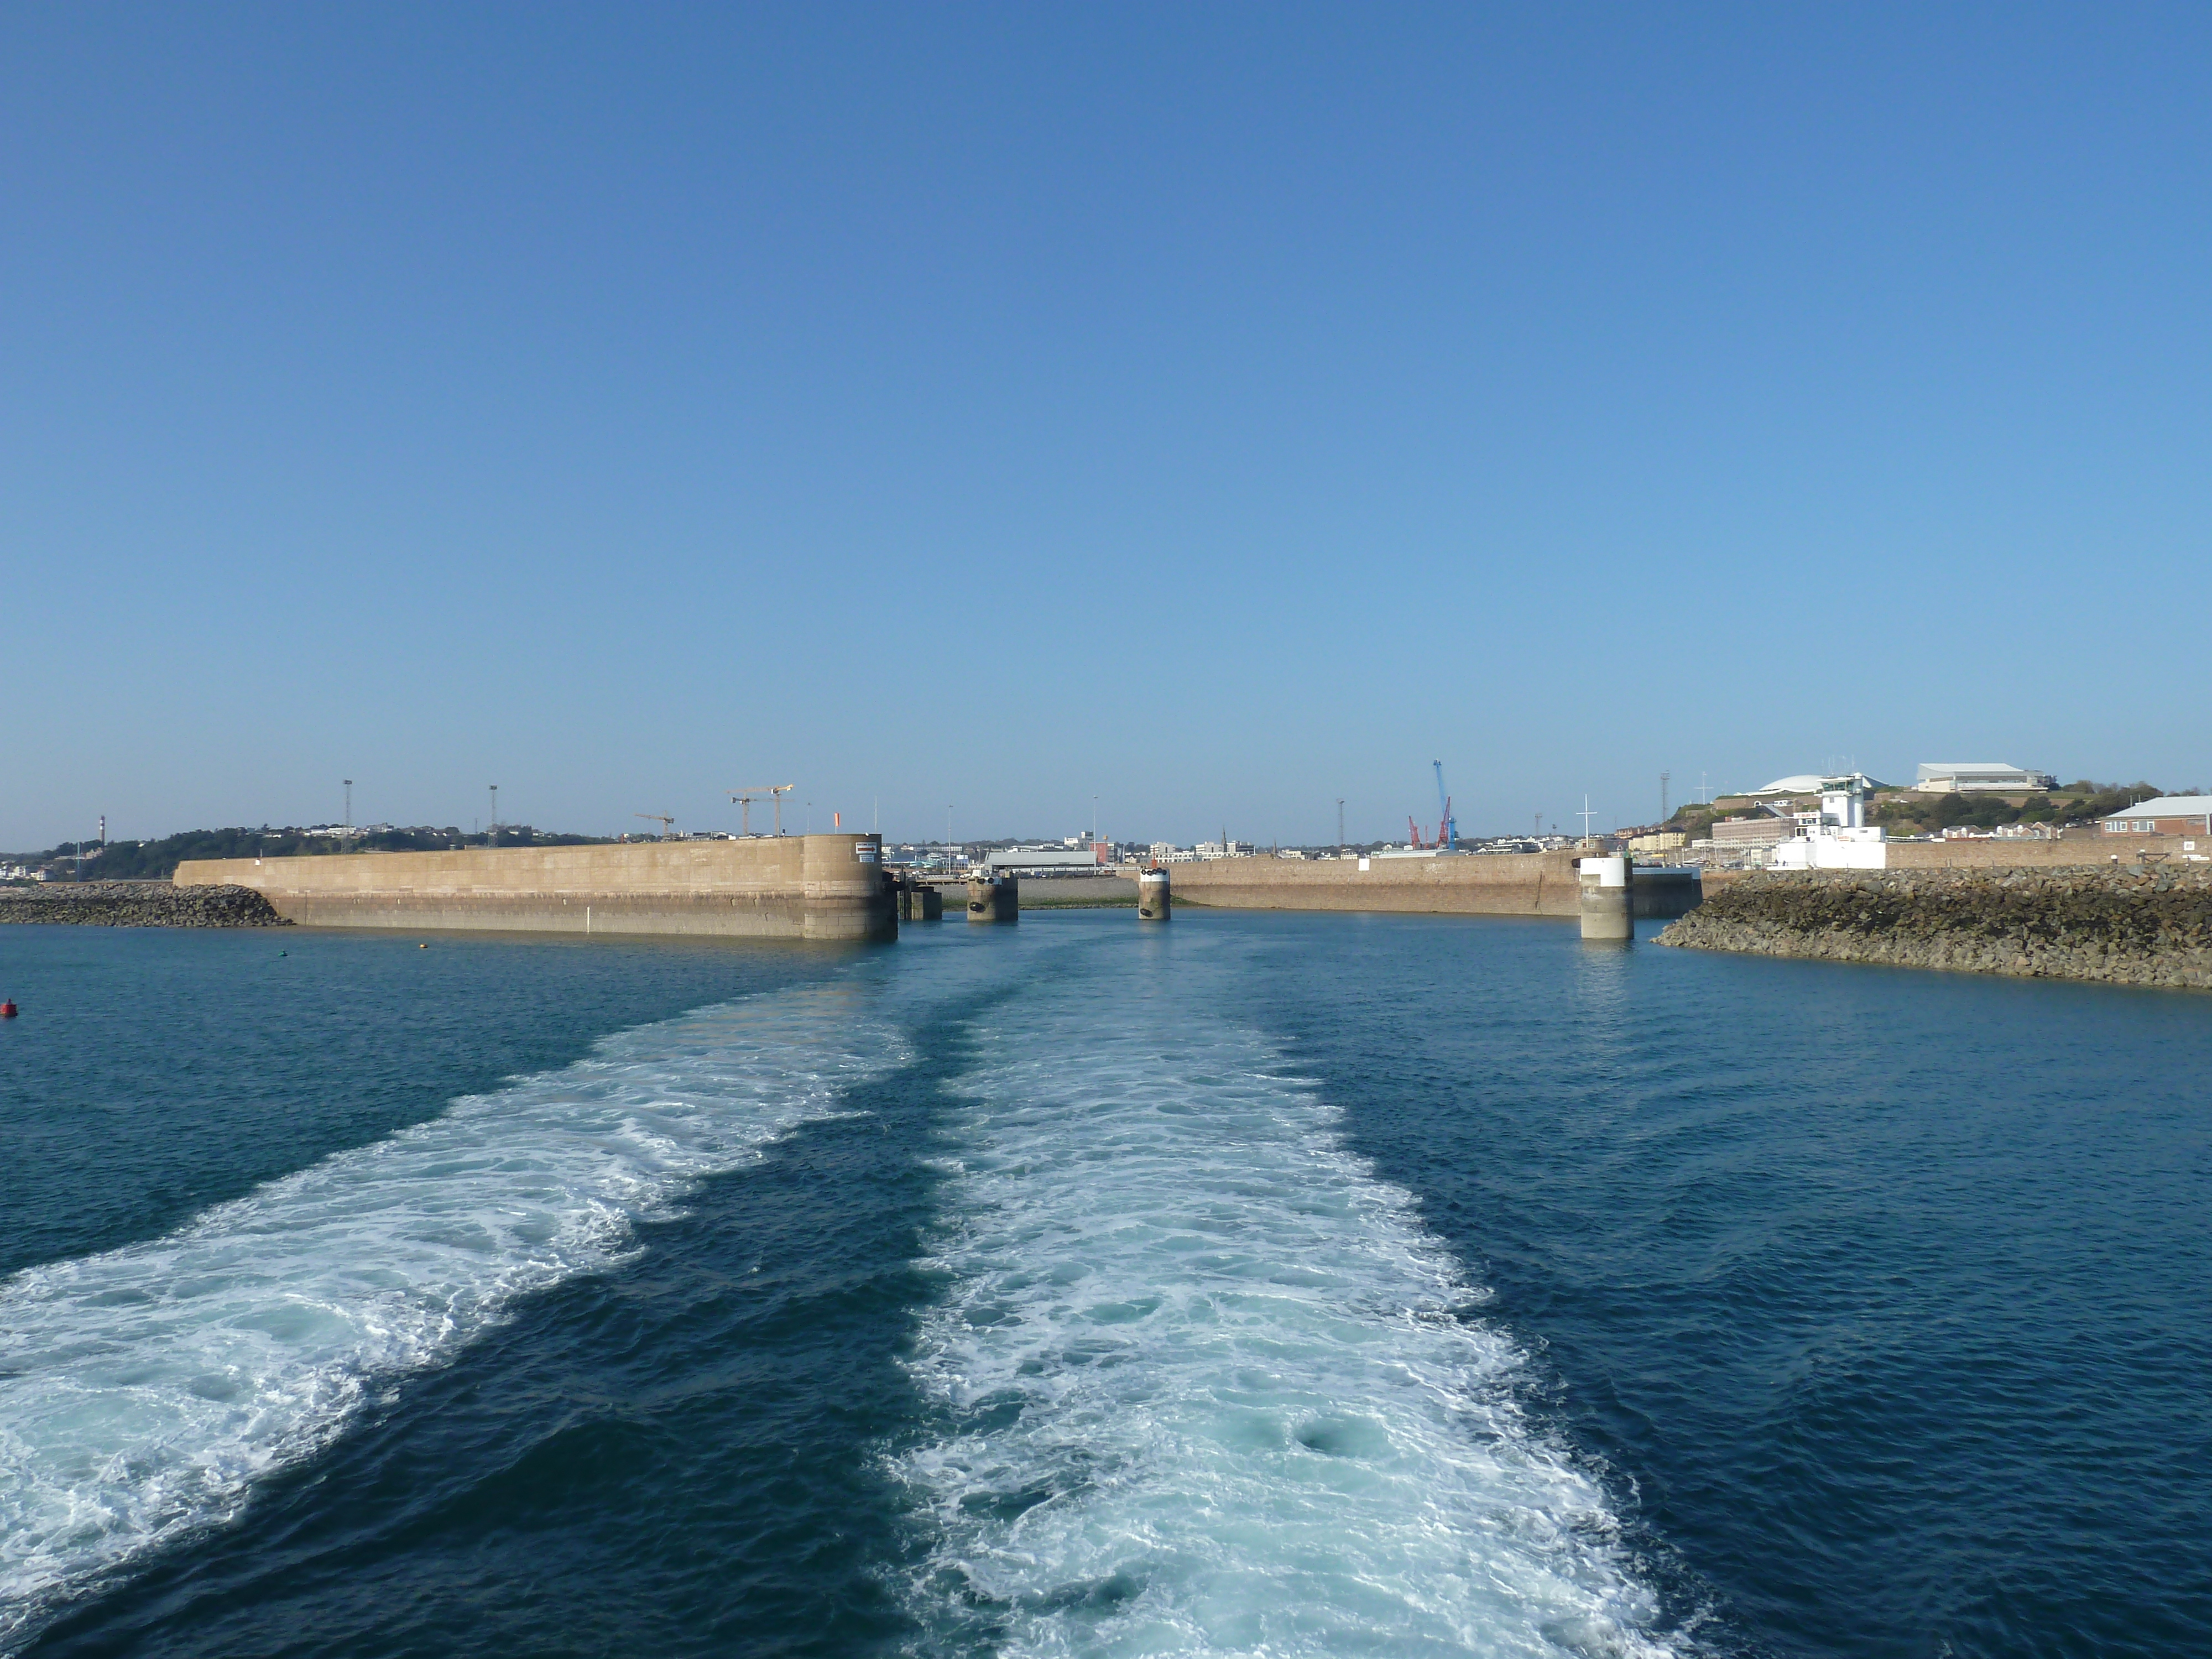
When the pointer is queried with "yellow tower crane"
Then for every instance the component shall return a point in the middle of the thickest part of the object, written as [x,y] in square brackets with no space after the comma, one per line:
[745,798]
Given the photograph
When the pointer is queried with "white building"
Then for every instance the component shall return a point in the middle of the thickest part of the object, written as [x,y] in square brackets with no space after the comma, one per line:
[1964,777]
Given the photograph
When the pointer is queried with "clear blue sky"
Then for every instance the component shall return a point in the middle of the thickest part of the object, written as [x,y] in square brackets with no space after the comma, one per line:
[1216,411]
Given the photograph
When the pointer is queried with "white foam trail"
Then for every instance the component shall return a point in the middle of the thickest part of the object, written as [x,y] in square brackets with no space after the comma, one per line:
[143,1391]
[1212,1394]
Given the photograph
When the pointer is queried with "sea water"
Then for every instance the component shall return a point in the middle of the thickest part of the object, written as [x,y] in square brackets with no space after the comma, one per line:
[1253,1285]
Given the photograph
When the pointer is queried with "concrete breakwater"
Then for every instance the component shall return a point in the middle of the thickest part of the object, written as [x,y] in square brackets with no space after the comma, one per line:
[814,887]
[2126,925]
[138,904]
[1482,884]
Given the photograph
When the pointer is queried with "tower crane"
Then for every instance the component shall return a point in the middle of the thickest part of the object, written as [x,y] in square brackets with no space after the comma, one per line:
[666,822]
[745,798]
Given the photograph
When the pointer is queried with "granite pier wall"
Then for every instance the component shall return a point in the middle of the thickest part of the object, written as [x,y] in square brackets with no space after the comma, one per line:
[814,887]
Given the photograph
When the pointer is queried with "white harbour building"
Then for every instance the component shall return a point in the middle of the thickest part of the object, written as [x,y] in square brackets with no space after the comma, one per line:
[1837,836]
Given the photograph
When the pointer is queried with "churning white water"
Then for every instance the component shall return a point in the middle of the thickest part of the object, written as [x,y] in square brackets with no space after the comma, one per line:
[142,1391]
[1213,1388]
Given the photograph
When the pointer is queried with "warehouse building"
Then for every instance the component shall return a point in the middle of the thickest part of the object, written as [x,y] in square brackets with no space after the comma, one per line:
[1964,777]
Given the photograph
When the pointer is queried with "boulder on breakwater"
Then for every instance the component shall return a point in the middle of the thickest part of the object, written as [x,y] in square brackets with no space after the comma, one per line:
[2143,924]
[138,904]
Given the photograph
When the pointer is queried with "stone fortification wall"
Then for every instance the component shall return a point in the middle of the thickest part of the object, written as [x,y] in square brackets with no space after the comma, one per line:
[1996,852]
[137,904]
[2132,925]
[825,887]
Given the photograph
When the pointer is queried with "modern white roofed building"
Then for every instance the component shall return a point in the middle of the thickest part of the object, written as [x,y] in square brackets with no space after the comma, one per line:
[1813,783]
[1962,777]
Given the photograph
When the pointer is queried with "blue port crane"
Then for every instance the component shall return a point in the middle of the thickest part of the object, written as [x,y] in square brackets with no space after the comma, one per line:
[1447,826]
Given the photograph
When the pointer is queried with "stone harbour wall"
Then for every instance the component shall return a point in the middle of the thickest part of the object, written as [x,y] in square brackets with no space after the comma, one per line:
[816,887]
[2140,924]
[1480,885]
[138,904]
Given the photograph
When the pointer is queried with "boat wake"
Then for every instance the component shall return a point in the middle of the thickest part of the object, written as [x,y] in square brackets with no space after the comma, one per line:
[1209,1387]
[144,1391]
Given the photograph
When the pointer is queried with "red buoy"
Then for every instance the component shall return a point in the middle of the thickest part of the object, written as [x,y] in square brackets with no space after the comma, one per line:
[8,1010]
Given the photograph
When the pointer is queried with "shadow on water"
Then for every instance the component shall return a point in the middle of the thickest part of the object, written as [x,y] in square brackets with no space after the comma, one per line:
[685,1456]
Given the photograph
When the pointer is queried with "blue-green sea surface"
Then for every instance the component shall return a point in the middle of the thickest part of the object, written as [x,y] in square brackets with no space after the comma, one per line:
[1256,1284]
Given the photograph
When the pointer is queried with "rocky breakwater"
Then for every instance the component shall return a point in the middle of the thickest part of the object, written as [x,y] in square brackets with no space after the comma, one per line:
[138,904]
[2143,924]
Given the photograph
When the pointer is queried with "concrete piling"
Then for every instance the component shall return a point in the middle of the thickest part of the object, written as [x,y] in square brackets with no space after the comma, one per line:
[993,898]
[920,902]
[1153,896]
[1608,897]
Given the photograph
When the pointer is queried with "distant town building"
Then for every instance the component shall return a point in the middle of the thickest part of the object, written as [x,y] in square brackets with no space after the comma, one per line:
[1964,777]
[2168,815]
[1048,857]
[1665,841]
[1764,830]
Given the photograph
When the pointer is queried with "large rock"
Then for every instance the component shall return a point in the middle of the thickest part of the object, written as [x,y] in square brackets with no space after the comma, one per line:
[138,904]
[2145,924]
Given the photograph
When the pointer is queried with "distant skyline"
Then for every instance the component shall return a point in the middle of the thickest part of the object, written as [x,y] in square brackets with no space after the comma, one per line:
[1217,412]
